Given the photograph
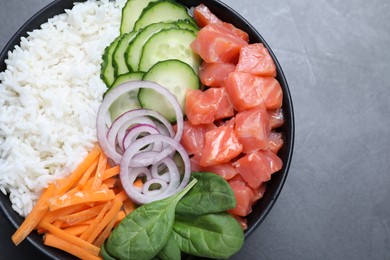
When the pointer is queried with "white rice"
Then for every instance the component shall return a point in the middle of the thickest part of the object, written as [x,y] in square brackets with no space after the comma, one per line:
[49,97]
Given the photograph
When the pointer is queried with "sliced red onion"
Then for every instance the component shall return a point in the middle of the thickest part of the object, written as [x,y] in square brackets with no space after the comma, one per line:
[139,173]
[106,142]
[125,129]
[127,173]
[136,131]
[142,141]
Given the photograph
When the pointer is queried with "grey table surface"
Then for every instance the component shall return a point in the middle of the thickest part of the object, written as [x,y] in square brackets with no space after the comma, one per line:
[336,58]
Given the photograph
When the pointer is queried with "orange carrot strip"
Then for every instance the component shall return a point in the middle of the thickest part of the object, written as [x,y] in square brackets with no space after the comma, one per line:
[106,232]
[81,197]
[36,214]
[138,183]
[99,172]
[110,182]
[111,172]
[74,240]
[121,216]
[51,216]
[67,183]
[85,222]
[96,221]
[82,215]
[59,243]
[88,173]
[121,196]
[76,230]
[128,206]
[58,223]
[107,218]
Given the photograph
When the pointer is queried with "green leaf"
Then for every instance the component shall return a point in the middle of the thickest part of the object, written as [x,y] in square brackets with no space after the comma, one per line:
[213,235]
[144,232]
[105,254]
[211,194]
[170,251]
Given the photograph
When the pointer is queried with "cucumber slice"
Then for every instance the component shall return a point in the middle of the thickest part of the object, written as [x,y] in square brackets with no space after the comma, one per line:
[178,77]
[128,100]
[161,11]
[107,71]
[134,50]
[118,58]
[187,24]
[130,14]
[168,44]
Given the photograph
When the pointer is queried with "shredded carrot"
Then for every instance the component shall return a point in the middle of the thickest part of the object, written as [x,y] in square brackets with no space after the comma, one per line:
[106,232]
[128,206]
[96,221]
[76,214]
[76,230]
[111,182]
[81,197]
[105,221]
[54,241]
[82,215]
[121,216]
[88,173]
[78,172]
[51,216]
[121,196]
[85,222]
[71,238]
[111,172]
[99,172]
[34,217]
[138,183]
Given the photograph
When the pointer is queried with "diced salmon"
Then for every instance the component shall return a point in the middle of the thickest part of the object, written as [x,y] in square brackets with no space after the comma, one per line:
[200,107]
[221,146]
[247,91]
[215,74]
[225,107]
[252,129]
[217,44]
[194,136]
[243,195]
[203,16]
[275,141]
[255,59]
[276,118]
[257,167]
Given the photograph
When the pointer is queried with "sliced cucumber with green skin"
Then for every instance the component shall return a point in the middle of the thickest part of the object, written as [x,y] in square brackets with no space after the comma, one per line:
[170,44]
[128,100]
[161,11]
[107,71]
[134,50]
[130,14]
[178,77]
[118,58]
[187,24]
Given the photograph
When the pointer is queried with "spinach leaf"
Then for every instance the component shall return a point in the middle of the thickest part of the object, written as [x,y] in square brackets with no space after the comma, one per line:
[216,235]
[211,194]
[105,254]
[170,251]
[144,232]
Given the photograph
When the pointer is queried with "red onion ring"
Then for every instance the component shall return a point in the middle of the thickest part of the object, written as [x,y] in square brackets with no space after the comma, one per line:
[106,143]
[128,172]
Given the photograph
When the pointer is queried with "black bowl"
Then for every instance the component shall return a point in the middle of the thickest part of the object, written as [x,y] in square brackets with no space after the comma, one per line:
[224,12]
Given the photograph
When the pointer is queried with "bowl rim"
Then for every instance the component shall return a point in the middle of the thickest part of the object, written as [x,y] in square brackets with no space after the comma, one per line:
[216,6]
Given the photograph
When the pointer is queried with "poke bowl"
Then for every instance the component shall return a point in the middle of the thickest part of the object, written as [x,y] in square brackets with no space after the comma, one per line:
[262,206]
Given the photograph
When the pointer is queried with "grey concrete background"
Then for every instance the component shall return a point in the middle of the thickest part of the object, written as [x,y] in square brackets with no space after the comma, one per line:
[335,54]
